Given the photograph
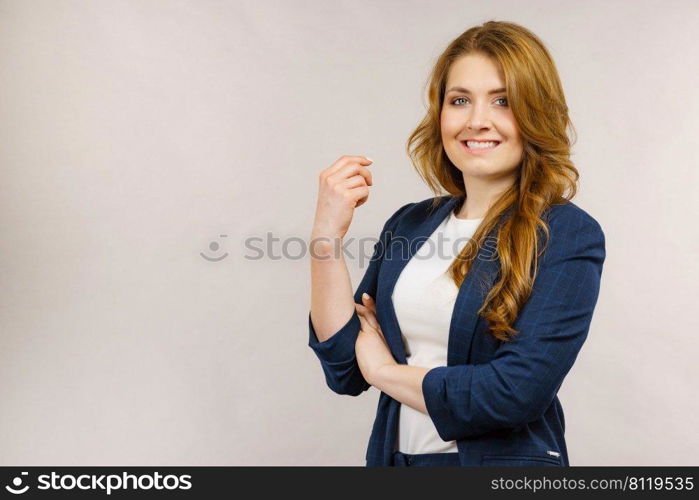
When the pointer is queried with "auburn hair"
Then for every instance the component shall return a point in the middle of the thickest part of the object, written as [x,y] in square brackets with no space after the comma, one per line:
[545,175]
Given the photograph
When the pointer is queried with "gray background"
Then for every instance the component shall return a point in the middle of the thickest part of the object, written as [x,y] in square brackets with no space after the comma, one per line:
[134,134]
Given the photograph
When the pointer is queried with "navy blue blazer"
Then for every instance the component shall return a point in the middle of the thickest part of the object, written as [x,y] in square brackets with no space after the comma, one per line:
[498,400]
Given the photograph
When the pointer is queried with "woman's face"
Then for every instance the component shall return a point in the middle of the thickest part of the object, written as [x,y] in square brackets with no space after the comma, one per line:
[479,110]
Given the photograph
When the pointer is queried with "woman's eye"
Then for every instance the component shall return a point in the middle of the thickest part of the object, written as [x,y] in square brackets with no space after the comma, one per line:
[463,98]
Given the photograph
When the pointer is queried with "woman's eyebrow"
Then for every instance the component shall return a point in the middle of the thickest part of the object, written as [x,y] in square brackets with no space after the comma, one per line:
[466,91]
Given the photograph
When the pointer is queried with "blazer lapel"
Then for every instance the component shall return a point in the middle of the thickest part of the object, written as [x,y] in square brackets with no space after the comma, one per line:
[469,299]
[472,293]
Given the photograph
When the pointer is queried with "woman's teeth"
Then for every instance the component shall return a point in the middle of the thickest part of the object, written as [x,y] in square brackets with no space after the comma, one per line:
[481,145]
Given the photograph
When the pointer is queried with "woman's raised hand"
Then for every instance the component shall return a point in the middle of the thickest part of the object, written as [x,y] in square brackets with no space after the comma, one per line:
[342,187]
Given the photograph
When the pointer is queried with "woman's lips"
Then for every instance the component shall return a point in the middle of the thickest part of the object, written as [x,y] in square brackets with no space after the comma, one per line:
[478,151]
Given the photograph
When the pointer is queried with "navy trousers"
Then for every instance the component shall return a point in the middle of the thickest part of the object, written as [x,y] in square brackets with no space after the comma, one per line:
[426,460]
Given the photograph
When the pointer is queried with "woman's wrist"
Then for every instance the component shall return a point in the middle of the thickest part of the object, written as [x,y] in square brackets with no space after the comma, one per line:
[325,246]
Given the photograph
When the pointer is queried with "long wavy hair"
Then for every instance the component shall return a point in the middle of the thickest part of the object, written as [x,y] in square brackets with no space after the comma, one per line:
[545,175]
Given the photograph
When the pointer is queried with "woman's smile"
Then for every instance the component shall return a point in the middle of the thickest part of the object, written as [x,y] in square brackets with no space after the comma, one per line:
[479,147]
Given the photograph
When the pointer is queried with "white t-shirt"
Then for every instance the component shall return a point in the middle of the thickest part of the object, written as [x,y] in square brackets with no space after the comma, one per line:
[423,299]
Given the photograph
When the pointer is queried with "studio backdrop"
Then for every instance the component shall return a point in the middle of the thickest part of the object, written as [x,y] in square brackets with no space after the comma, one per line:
[159,167]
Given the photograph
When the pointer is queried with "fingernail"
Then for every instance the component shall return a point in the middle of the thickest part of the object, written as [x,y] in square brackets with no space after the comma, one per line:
[369,159]
[366,296]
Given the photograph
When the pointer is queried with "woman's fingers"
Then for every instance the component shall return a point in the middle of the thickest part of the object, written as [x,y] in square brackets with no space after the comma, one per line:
[368,315]
[367,312]
[348,171]
[342,187]
[366,323]
[368,301]
[345,159]
[370,318]
[354,181]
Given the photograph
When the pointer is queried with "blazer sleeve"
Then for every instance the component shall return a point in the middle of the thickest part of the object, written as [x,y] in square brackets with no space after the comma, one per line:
[519,384]
[336,354]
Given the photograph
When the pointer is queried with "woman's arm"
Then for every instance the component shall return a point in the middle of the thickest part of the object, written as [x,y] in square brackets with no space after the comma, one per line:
[337,352]
[332,303]
[403,383]
[342,187]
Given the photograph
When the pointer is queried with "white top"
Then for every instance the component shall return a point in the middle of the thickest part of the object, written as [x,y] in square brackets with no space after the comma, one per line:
[423,299]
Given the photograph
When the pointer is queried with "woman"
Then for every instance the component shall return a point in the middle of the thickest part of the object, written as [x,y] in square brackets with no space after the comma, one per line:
[468,349]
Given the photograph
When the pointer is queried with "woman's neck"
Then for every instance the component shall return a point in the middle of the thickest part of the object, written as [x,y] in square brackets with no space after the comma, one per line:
[480,197]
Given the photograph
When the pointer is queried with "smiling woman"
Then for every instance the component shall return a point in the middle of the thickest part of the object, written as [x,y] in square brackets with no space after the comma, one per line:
[468,350]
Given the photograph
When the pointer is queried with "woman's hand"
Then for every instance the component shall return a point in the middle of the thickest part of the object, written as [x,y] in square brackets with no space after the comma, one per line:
[371,348]
[342,187]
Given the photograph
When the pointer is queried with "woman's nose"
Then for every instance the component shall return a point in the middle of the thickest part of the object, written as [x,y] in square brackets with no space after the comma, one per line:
[478,118]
